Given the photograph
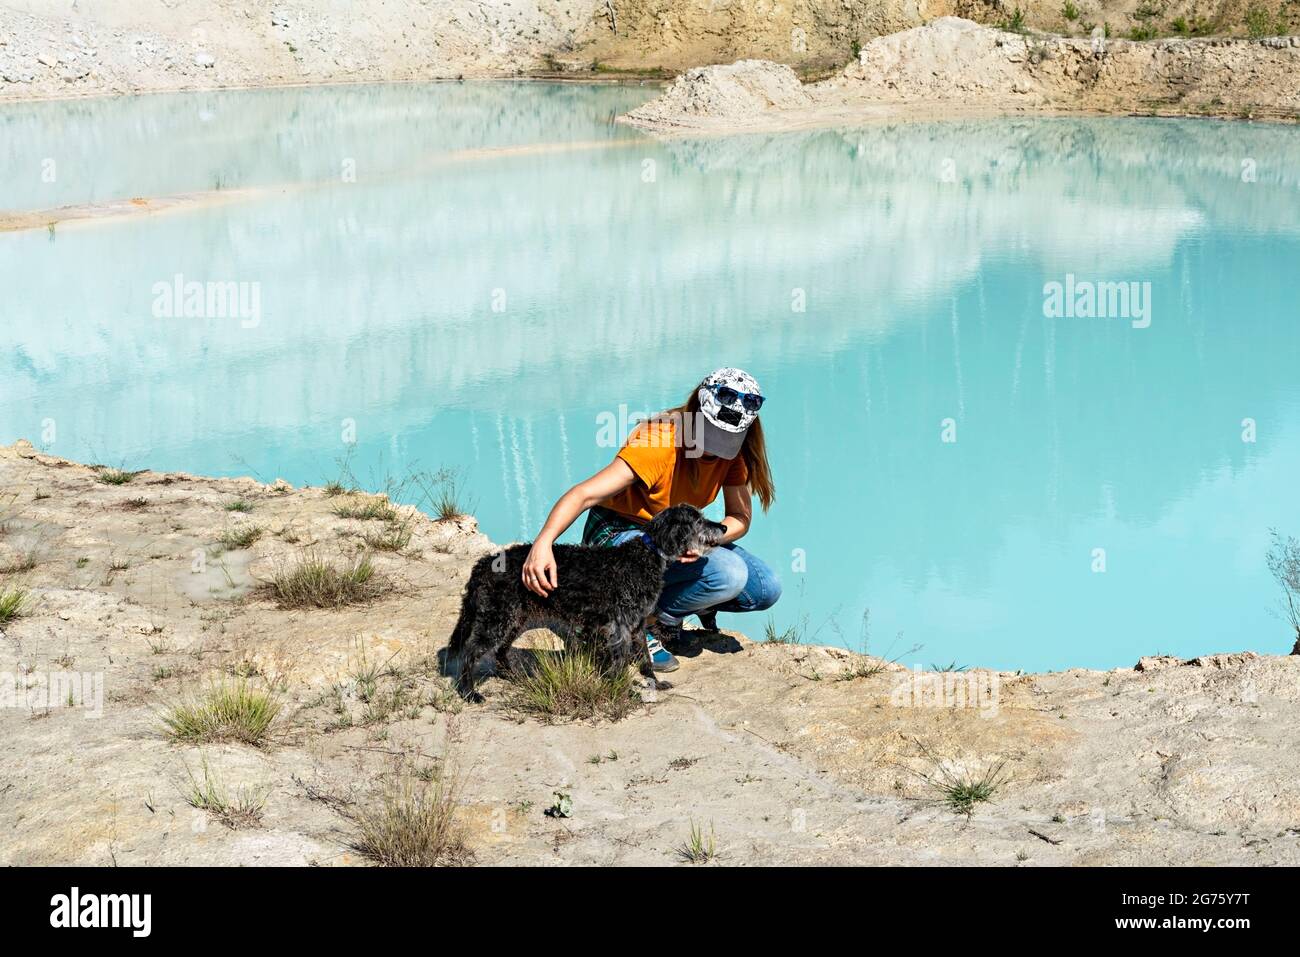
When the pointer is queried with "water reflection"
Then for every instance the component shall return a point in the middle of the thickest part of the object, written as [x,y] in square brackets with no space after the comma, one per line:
[624,273]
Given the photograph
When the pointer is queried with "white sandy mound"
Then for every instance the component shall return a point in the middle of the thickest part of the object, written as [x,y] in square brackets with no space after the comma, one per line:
[736,89]
[943,59]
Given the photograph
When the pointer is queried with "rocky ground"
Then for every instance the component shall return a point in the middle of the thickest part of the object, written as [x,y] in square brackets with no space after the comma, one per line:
[146,592]
[957,67]
[61,48]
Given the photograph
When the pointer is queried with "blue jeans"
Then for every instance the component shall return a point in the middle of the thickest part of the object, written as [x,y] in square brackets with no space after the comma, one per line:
[727,578]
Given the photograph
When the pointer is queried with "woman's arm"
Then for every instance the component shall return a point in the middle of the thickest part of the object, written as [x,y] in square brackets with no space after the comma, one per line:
[738,502]
[539,574]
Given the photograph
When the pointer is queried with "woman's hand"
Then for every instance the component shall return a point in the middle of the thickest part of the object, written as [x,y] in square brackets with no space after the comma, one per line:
[540,575]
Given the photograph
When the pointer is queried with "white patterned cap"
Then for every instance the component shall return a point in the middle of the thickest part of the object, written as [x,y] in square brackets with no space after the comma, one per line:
[724,424]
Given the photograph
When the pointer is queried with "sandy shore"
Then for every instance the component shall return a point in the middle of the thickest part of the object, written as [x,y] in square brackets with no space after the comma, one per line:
[789,753]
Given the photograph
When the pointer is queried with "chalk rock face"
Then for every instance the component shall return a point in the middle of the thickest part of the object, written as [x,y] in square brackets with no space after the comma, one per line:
[742,88]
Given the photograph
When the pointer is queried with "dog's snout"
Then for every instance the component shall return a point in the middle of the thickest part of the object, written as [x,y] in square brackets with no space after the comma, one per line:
[714,532]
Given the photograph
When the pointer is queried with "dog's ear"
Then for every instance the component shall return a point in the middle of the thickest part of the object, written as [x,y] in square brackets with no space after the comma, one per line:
[673,530]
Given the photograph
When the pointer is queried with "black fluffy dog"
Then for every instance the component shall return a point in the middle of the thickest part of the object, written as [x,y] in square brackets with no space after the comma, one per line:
[603,599]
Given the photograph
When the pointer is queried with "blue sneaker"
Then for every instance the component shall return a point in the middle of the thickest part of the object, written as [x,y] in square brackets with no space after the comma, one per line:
[661,659]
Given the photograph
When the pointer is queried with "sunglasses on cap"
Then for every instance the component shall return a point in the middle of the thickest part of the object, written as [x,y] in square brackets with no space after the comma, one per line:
[751,401]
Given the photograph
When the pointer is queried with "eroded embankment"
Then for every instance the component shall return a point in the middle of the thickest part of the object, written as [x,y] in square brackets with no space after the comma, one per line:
[146,584]
[957,67]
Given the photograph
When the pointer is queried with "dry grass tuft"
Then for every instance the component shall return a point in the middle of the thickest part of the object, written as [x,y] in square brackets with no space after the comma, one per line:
[229,711]
[414,824]
[313,582]
[562,685]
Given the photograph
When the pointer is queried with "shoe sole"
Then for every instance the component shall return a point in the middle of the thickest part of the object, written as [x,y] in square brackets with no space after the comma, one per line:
[666,668]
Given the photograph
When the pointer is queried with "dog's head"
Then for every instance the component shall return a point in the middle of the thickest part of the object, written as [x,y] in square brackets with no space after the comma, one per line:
[681,529]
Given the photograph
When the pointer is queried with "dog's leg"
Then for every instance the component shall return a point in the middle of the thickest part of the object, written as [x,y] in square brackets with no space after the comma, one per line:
[503,643]
[631,648]
[483,639]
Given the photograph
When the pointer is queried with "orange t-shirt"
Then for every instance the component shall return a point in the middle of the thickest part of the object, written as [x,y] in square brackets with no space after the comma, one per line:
[668,476]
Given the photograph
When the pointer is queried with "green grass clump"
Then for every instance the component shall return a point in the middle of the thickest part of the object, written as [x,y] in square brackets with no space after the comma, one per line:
[115,476]
[699,848]
[571,684]
[443,492]
[240,537]
[790,636]
[367,508]
[230,711]
[13,604]
[394,538]
[962,789]
[414,825]
[239,505]
[313,582]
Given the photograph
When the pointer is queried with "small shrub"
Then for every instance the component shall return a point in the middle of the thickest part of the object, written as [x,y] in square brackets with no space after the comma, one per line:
[1016,22]
[1259,22]
[1070,11]
[312,582]
[1284,565]
[1142,33]
[414,825]
[572,684]
[232,711]
[13,604]
[239,505]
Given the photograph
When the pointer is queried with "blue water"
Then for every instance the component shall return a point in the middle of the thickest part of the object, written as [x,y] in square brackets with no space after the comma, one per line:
[624,268]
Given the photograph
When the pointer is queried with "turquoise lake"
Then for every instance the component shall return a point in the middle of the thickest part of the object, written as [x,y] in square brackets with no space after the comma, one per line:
[472,275]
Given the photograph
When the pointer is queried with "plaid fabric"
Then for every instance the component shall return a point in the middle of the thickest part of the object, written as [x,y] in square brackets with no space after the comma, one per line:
[604,525]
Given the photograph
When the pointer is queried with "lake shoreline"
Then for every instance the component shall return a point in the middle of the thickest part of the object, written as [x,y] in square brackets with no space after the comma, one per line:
[129,580]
